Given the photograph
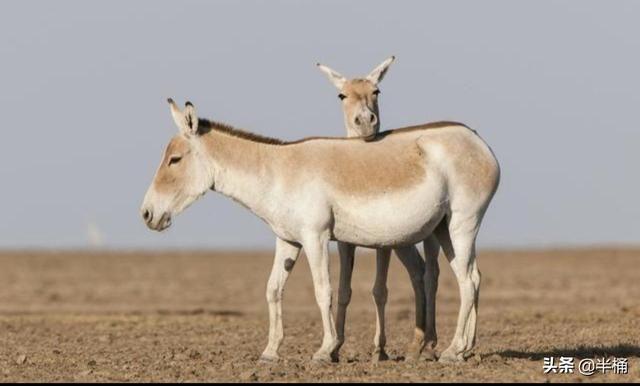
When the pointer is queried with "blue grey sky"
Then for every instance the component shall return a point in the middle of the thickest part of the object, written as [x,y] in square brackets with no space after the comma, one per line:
[552,86]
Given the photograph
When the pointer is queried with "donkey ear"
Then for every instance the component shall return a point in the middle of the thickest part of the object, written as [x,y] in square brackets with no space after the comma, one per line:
[379,72]
[191,118]
[177,115]
[334,76]
[187,120]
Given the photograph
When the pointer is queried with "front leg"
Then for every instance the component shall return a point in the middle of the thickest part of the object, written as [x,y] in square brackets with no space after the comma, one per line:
[383,256]
[285,257]
[414,265]
[346,252]
[317,251]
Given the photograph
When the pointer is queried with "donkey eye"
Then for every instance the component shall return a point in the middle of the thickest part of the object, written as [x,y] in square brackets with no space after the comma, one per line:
[376,92]
[175,159]
[341,96]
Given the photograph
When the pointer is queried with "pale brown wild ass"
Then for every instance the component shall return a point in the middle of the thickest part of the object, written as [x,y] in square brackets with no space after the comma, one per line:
[312,191]
[359,100]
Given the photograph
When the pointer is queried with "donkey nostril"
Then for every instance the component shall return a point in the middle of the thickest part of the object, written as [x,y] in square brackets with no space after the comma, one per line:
[373,118]
[357,120]
[146,215]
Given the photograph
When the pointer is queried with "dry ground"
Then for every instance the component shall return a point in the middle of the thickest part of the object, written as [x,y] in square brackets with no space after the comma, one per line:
[201,316]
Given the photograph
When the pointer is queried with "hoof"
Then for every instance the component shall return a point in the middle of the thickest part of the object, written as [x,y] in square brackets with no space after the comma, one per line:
[412,357]
[448,356]
[379,356]
[322,359]
[430,355]
[335,353]
[268,359]
[413,352]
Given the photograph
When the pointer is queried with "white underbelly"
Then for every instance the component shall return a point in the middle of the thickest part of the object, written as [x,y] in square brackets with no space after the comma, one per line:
[392,219]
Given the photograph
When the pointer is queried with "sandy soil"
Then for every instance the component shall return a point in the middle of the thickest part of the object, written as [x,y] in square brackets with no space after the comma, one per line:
[201,316]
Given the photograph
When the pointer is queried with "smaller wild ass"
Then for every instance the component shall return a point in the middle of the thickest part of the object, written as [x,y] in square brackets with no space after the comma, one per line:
[359,97]
[437,177]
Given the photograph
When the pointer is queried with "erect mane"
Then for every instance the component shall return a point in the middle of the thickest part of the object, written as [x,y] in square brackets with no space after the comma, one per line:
[205,125]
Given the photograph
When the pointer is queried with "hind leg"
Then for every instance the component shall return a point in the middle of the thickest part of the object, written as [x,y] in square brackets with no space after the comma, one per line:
[461,253]
[431,273]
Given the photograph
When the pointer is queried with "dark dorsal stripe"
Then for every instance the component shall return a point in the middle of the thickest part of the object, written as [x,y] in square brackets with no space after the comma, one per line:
[205,125]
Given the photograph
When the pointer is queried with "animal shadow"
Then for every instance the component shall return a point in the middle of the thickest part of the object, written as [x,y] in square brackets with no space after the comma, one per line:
[619,351]
[200,311]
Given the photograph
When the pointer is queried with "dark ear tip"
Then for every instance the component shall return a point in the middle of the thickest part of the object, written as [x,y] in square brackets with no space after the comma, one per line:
[318,64]
[393,57]
[170,101]
[188,104]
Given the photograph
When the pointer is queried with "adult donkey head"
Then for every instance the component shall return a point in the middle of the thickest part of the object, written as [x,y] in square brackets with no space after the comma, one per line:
[360,99]
[184,174]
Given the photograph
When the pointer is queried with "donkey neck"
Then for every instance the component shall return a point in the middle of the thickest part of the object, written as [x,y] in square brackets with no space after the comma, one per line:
[243,169]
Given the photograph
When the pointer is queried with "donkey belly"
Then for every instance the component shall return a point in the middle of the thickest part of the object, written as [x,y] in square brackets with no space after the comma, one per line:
[389,219]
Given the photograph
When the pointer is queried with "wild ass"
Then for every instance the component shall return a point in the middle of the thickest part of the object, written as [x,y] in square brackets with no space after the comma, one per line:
[359,98]
[437,177]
